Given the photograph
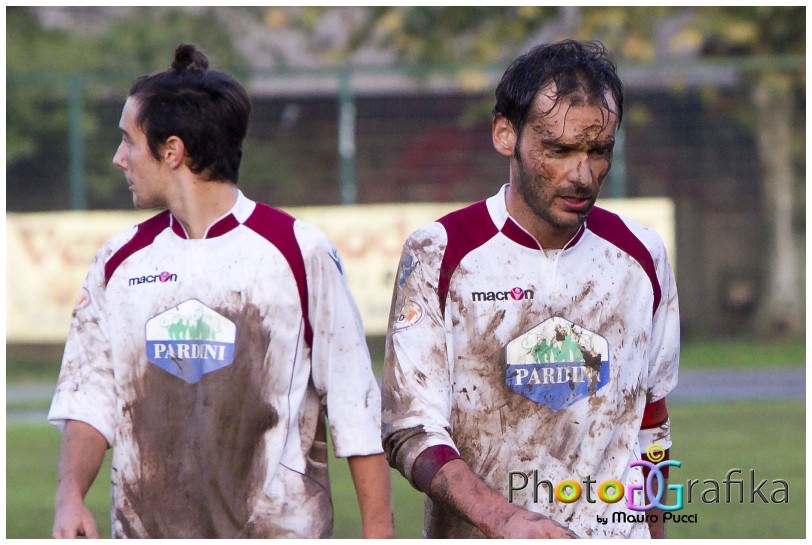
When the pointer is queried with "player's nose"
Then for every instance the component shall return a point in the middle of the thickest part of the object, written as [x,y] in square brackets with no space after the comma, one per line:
[120,159]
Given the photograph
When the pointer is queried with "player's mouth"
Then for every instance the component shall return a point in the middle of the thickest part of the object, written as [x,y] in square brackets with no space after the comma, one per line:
[576,204]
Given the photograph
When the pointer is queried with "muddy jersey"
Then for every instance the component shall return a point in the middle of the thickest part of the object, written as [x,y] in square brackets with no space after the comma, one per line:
[209,365]
[549,365]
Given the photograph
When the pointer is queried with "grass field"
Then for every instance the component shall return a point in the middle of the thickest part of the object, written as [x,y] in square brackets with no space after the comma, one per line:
[709,439]
[40,363]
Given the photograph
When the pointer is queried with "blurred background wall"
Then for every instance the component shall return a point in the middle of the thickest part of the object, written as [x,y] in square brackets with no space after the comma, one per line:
[373,105]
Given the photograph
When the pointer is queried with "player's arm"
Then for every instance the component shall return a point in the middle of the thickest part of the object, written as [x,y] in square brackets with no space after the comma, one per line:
[656,528]
[83,406]
[81,455]
[342,375]
[655,428]
[370,475]
[455,485]
[656,524]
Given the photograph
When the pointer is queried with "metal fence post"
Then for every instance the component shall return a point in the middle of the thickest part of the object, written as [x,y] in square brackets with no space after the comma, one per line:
[76,144]
[346,139]
[617,176]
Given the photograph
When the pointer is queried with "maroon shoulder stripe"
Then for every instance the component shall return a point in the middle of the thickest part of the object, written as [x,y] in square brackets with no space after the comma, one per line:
[276,227]
[611,228]
[144,235]
[466,229]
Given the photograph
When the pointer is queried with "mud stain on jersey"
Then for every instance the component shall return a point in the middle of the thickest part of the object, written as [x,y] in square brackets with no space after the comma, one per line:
[201,445]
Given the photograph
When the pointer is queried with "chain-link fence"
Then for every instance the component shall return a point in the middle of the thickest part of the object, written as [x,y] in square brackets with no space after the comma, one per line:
[383,135]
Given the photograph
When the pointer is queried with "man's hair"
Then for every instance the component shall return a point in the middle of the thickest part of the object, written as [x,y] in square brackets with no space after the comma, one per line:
[573,66]
[207,109]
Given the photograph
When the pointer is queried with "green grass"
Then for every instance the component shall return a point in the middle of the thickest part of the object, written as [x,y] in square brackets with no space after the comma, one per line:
[709,439]
[741,352]
[39,404]
[766,436]
[40,363]
[31,457]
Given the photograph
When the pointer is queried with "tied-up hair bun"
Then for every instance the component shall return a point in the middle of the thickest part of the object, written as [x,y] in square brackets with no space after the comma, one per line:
[189,59]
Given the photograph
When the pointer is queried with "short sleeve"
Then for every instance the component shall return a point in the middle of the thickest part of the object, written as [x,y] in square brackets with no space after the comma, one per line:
[341,368]
[85,390]
[417,378]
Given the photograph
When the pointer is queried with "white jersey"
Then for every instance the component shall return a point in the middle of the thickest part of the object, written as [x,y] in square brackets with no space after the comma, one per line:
[209,366]
[550,364]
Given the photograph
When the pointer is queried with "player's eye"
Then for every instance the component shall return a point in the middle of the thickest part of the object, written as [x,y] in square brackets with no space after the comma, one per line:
[603,151]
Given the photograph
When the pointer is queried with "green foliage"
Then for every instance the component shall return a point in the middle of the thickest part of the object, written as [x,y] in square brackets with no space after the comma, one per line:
[145,42]
[439,34]
[31,121]
[42,63]
[435,34]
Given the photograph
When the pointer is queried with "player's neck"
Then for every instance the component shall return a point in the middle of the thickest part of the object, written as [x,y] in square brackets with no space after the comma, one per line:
[198,203]
[547,235]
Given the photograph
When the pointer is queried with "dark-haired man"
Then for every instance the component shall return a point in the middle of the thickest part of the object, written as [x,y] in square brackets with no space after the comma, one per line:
[210,342]
[533,336]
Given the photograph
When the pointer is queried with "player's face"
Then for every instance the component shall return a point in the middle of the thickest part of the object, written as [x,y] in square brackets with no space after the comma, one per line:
[145,175]
[559,162]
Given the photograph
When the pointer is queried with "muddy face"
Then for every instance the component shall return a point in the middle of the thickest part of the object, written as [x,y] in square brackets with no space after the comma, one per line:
[201,448]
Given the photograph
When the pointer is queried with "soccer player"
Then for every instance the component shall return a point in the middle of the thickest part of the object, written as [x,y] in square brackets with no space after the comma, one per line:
[534,336]
[210,342]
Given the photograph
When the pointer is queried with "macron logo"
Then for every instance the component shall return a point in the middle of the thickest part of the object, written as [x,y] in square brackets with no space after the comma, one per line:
[152,278]
[516,294]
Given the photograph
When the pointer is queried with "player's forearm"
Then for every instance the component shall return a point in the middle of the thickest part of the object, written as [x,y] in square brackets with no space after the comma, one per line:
[657,529]
[461,489]
[457,486]
[370,475]
[81,455]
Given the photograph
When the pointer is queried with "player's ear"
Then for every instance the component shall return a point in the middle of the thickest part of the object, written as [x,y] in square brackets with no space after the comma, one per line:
[504,136]
[173,152]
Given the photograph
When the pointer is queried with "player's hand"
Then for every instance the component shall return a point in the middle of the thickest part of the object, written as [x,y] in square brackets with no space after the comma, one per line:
[523,524]
[72,519]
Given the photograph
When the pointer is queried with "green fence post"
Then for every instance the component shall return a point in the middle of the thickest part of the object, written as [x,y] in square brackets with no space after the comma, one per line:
[617,176]
[346,139]
[76,144]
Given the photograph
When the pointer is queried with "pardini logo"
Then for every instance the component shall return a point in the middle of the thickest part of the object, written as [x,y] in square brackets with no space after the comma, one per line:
[152,278]
[516,294]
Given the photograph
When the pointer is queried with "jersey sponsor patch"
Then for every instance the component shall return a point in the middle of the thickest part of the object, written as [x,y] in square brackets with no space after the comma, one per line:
[407,314]
[408,264]
[190,340]
[557,363]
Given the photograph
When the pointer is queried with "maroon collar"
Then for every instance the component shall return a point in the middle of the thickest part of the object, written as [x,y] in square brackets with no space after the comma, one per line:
[221,227]
[518,235]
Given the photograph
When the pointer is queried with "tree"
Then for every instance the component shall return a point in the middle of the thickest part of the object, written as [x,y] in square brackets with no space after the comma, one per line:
[766,30]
